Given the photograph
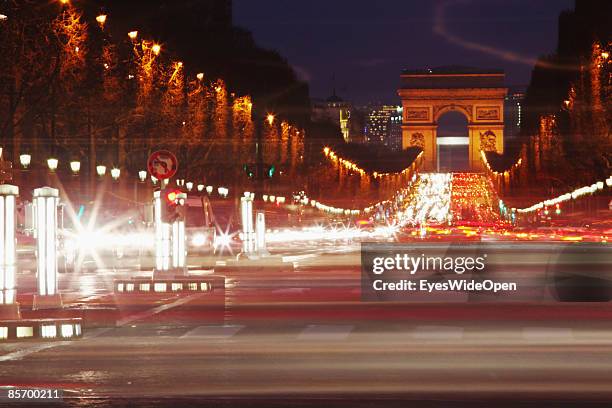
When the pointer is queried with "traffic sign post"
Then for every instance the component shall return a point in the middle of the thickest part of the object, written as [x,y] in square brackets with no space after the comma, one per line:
[169,213]
[162,164]
[170,237]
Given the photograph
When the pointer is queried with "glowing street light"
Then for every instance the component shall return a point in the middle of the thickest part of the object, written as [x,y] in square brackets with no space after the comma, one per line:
[133,35]
[115,173]
[142,175]
[52,163]
[189,185]
[25,160]
[270,119]
[605,55]
[101,19]
[101,170]
[209,189]
[153,179]
[75,166]
[200,187]
[200,76]
[3,17]
[156,49]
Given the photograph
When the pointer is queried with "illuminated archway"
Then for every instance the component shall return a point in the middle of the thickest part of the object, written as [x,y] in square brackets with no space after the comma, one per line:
[428,94]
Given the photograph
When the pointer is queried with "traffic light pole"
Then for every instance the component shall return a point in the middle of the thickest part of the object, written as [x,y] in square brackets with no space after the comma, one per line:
[170,239]
[162,236]
[259,174]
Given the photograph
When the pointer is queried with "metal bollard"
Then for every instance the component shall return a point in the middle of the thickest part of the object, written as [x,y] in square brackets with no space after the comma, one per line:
[260,227]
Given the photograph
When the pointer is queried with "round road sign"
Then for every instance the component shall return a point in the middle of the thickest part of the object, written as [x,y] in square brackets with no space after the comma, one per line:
[162,164]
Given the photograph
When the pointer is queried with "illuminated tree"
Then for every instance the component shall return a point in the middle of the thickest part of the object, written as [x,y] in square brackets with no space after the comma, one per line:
[28,63]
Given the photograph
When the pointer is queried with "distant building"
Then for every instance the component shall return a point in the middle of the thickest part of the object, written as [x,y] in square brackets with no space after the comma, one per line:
[394,134]
[384,126]
[513,113]
[333,109]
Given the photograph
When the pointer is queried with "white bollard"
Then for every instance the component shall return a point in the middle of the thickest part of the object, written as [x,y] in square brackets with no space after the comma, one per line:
[248,238]
[179,253]
[260,231]
[45,208]
[162,236]
[9,308]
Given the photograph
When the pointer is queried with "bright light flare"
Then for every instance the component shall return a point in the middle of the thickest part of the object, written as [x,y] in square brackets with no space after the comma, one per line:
[223,240]
[52,163]
[319,233]
[199,240]
[101,19]
[75,166]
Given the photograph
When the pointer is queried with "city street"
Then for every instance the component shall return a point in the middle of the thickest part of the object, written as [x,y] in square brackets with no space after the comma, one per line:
[305,336]
[269,204]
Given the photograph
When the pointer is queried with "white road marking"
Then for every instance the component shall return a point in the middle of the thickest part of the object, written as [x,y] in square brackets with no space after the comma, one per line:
[438,333]
[20,354]
[548,334]
[290,291]
[213,332]
[325,332]
[158,309]
[295,258]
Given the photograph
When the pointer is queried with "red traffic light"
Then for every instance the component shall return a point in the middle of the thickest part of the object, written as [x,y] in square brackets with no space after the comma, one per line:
[171,209]
[171,196]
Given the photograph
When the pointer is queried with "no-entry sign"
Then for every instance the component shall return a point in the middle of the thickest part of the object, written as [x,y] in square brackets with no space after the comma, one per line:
[162,164]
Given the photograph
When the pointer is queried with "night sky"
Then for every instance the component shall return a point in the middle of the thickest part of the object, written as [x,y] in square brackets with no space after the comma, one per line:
[366,44]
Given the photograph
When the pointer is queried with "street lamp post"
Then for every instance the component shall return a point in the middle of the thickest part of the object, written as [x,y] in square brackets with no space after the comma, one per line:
[52,163]
[75,166]
[25,160]
[101,170]
[260,114]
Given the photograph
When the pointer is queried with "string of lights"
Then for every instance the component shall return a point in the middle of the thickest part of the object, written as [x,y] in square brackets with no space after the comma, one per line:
[497,173]
[349,165]
[579,192]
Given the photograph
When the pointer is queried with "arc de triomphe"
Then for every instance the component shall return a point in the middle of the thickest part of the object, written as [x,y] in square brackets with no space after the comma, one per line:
[428,94]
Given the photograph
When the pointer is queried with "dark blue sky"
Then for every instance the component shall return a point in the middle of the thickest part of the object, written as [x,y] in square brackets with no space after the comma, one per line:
[368,43]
